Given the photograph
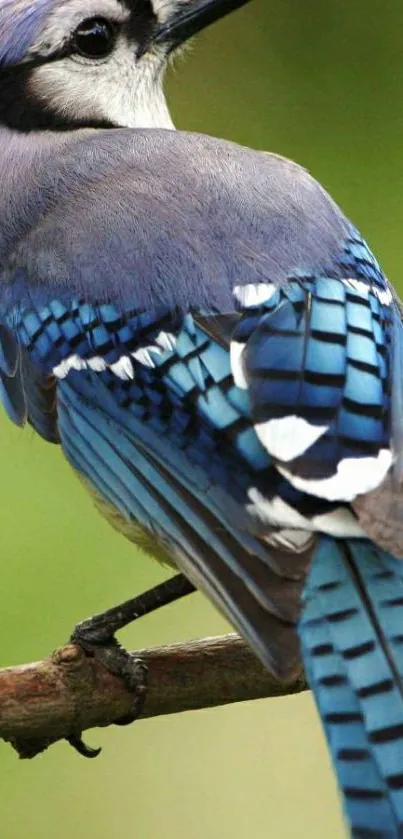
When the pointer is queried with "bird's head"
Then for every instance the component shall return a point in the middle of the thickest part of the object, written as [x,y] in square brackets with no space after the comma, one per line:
[71,63]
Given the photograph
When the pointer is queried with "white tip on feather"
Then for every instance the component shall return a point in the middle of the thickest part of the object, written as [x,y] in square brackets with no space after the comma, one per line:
[77,363]
[97,363]
[123,368]
[275,512]
[253,294]
[166,341]
[295,541]
[296,529]
[340,523]
[288,437]
[61,370]
[354,476]
[238,374]
[384,295]
[358,285]
[143,356]
[73,362]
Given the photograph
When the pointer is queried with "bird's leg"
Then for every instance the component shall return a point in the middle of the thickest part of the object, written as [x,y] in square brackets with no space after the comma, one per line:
[101,628]
[96,636]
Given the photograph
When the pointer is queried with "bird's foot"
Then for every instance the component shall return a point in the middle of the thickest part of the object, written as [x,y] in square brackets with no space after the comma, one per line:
[125,666]
[96,637]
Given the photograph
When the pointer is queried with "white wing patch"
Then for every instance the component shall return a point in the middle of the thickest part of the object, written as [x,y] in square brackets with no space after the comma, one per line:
[166,341]
[123,368]
[288,437]
[253,294]
[384,295]
[341,523]
[354,476]
[97,363]
[73,362]
[275,512]
[143,355]
[237,368]
[296,529]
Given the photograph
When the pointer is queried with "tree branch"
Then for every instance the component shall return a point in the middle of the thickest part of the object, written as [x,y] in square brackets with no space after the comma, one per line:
[70,692]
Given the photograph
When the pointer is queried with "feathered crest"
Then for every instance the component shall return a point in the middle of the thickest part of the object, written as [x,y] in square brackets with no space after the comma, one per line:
[20,21]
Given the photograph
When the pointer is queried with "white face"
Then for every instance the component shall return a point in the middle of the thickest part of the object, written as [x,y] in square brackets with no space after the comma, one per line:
[120,87]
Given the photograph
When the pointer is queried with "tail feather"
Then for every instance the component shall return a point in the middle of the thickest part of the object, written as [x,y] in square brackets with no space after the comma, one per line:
[352,643]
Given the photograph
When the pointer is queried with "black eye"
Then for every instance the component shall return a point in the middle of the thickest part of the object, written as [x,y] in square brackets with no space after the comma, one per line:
[94,38]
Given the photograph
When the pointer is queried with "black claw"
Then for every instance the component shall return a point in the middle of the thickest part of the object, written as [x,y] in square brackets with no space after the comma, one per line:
[96,637]
[78,744]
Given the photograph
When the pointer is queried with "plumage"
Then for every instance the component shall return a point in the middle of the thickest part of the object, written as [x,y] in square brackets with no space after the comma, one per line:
[20,23]
[352,645]
[218,353]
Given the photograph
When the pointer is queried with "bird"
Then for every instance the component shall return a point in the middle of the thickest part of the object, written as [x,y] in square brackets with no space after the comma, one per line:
[219,355]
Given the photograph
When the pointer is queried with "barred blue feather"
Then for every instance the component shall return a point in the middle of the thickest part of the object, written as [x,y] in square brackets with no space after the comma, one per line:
[352,644]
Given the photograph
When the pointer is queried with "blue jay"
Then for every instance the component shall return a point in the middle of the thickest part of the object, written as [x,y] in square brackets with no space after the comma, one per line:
[219,356]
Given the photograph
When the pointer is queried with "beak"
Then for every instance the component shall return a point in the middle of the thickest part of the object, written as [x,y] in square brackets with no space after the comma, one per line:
[191,17]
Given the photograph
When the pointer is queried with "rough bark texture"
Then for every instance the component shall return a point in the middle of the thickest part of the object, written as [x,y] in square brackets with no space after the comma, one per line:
[69,692]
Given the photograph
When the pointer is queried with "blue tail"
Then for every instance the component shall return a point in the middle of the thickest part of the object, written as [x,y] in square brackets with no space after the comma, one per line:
[352,643]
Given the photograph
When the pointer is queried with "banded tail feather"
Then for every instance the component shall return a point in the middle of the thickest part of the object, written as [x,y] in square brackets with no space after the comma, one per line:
[351,634]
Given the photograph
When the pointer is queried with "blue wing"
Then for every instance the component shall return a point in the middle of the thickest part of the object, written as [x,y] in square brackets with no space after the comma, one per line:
[149,415]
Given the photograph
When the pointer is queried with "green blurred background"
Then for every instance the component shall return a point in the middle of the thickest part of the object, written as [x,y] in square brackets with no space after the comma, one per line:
[323,84]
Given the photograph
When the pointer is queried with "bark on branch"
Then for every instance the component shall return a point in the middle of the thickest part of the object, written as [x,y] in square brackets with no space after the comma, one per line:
[69,692]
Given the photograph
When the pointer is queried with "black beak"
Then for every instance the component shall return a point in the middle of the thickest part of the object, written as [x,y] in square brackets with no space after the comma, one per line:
[190,18]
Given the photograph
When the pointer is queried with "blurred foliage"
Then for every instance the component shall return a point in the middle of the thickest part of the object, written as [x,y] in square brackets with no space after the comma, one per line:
[321,83]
